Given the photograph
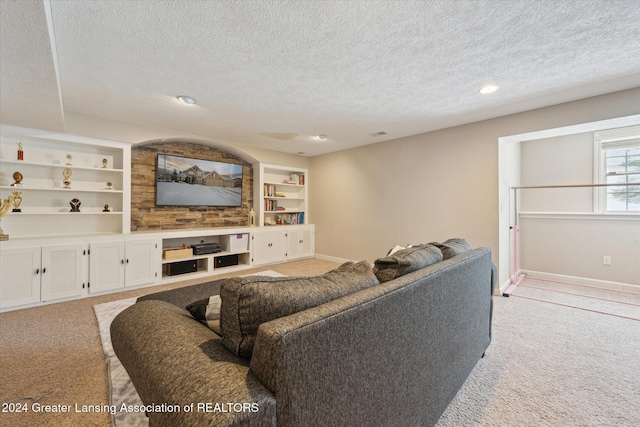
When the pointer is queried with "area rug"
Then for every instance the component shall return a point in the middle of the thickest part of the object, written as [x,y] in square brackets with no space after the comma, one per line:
[122,389]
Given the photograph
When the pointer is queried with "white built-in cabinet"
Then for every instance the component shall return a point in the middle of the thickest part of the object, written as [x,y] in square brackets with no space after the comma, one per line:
[269,246]
[118,264]
[63,271]
[41,273]
[54,254]
[300,243]
[275,244]
[106,266]
[20,276]
[37,274]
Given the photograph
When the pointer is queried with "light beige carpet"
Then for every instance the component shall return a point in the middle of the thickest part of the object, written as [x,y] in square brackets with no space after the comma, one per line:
[52,354]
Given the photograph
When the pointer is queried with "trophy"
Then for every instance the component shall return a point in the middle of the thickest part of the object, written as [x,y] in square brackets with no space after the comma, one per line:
[104,163]
[69,157]
[67,178]
[75,205]
[17,177]
[17,199]
[106,209]
[5,204]
[20,151]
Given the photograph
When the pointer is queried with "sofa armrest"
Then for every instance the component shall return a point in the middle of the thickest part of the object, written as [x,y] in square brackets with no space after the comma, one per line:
[173,359]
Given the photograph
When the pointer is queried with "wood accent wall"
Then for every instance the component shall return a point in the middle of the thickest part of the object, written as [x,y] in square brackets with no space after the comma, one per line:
[145,215]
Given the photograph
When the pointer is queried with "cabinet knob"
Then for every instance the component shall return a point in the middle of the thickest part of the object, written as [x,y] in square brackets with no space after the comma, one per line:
[44,270]
[37,271]
[122,261]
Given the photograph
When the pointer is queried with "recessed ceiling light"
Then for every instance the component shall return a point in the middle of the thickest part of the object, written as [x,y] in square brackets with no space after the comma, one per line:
[321,137]
[488,89]
[186,99]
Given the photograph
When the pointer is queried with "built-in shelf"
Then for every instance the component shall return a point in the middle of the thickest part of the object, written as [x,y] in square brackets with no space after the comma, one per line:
[281,187]
[99,176]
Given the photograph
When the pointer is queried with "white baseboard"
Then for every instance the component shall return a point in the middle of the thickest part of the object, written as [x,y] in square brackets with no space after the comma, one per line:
[604,284]
[503,287]
[332,258]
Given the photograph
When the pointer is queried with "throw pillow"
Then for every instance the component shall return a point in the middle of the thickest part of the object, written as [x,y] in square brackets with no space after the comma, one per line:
[405,261]
[453,247]
[247,302]
[207,311]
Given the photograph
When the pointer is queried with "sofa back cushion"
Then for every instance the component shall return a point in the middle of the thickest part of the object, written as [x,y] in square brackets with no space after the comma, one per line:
[453,247]
[249,301]
[405,261]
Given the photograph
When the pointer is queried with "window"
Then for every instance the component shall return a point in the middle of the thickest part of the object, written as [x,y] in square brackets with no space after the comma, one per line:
[618,162]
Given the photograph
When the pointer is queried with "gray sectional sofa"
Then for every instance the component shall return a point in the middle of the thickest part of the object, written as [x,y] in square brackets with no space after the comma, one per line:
[378,354]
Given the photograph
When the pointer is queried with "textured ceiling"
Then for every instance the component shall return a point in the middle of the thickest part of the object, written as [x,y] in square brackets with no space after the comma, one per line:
[274,73]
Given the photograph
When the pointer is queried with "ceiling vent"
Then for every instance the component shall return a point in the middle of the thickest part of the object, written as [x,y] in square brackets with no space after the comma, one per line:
[378,133]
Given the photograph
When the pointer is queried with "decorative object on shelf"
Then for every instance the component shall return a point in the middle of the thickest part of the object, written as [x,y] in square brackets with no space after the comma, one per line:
[69,158]
[5,204]
[104,163]
[109,186]
[106,209]
[75,205]
[17,177]
[67,177]
[17,200]
[252,218]
[20,152]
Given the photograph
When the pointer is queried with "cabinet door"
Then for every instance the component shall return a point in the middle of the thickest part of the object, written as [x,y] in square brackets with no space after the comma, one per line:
[19,276]
[141,262]
[307,244]
[261,246]
[106,266]
[278,248]
[294,239]
[62,271]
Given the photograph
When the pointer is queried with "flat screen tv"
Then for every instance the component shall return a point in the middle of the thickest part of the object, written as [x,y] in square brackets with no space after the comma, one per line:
[182,181]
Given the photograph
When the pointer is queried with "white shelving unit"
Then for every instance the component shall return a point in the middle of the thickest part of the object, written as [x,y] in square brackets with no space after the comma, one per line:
[280,195]
[45,207]
[56,255]
[235,244]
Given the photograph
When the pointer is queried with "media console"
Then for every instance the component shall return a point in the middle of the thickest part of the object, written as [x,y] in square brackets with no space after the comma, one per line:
[41,270]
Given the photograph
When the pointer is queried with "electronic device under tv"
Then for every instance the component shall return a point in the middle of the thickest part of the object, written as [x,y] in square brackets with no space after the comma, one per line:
[184,181]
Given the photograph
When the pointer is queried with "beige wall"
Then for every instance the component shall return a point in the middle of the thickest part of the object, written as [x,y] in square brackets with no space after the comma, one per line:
[554,242]
[565,160]
[432,186]
[575,247]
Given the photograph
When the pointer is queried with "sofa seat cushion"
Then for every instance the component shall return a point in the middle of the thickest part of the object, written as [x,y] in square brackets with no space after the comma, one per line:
[453,247]
[249,301]
[405,261]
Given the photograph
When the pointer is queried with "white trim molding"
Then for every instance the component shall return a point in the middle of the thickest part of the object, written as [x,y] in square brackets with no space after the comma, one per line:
[603,284]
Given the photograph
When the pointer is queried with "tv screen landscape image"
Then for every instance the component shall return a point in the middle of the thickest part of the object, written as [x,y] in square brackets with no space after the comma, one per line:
[183,181]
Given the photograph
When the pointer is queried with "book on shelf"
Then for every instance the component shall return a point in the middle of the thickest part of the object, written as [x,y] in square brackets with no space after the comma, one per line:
[285,219]
[295,179]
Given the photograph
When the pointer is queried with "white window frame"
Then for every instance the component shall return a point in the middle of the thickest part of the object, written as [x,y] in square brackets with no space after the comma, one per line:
[613,138]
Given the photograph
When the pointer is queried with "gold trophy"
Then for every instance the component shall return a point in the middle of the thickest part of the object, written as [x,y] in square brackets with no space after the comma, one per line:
[67,177]
[17,177]
[17,200]
[5,204]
